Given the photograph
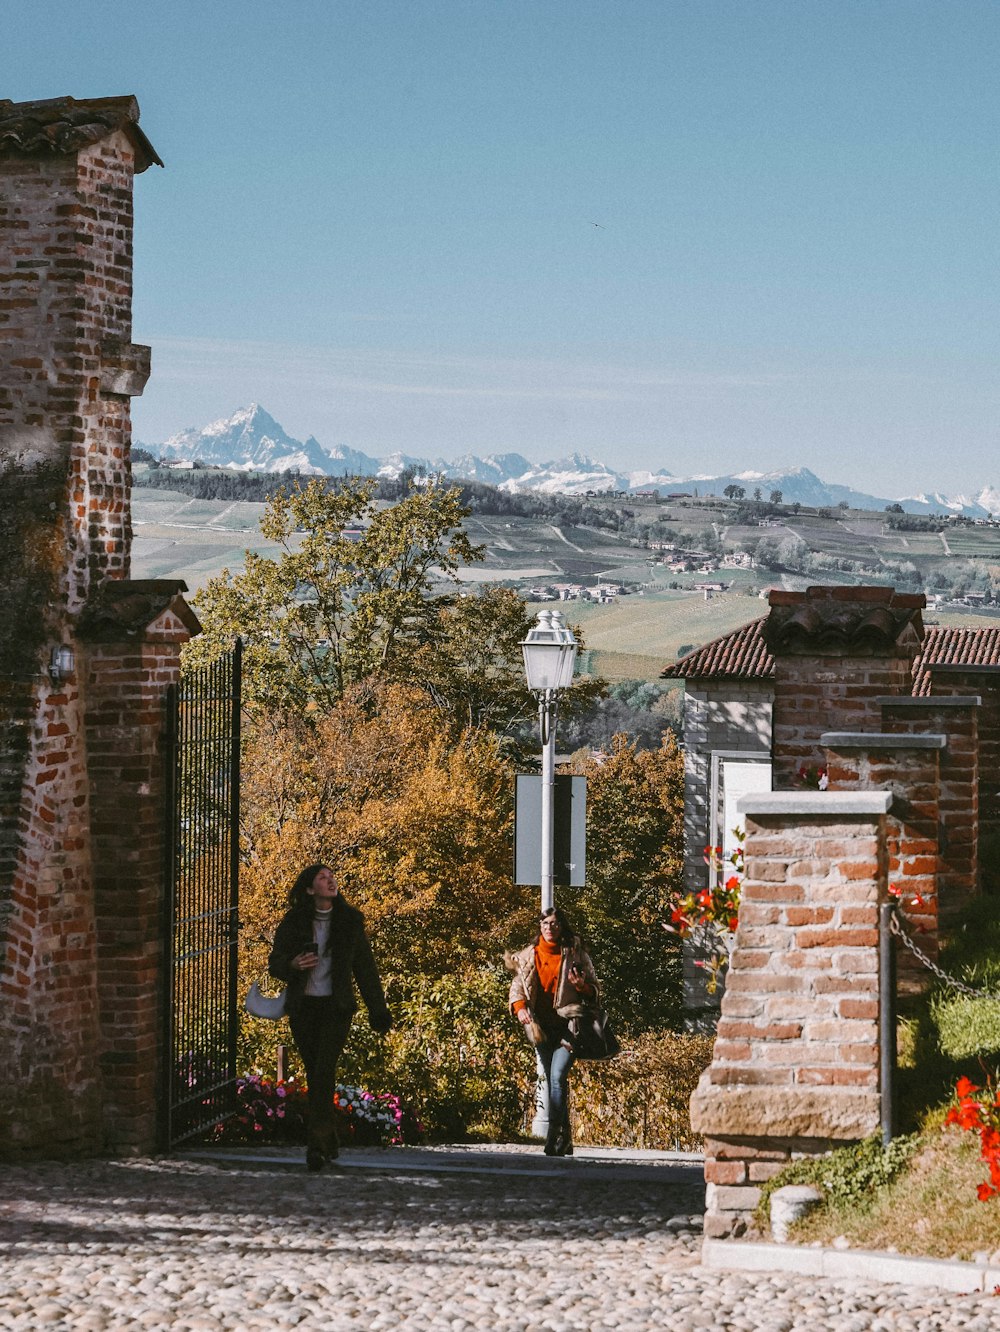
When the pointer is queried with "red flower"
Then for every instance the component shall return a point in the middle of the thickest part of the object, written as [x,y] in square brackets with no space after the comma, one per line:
[965,1087]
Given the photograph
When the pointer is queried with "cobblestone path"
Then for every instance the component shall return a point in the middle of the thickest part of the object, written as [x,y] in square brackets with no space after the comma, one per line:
[192,1245]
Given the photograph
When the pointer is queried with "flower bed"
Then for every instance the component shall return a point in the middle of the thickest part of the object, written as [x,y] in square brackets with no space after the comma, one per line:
[274,1113]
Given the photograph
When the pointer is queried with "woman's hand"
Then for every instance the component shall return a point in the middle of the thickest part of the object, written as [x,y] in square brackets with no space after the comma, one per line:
[524,1016]
[578,979]
[306,960]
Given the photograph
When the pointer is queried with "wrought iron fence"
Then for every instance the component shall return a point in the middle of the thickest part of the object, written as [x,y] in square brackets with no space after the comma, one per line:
[202,898]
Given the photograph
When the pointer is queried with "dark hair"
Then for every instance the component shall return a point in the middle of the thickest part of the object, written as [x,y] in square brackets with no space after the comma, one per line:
[298,895]
[567,932]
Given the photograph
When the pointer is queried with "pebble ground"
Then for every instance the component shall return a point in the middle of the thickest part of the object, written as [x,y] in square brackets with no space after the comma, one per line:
[196,1246]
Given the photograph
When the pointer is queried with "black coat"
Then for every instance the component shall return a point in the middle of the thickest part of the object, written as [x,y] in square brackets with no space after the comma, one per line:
[350,954]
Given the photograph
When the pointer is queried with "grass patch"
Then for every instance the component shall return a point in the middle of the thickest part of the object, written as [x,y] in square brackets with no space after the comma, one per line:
[930,1208]
[920,1196]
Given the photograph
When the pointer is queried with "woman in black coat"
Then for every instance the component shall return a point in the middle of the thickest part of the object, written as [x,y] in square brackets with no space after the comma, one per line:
[320,951]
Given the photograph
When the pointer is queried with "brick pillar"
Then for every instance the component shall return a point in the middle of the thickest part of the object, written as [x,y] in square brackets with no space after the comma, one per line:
[795,1069]
[982,682]
[908,766]
[957,719]
[836,650]
[67,370]
[136,631]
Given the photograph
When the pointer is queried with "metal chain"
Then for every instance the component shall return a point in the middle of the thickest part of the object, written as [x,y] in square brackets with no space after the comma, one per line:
[895,927]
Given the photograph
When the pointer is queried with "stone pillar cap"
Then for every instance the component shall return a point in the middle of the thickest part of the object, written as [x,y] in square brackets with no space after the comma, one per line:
[816,803]
[880,740]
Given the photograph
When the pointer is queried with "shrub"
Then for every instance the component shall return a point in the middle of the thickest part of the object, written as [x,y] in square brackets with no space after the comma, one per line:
[454,1054]
[641,1098]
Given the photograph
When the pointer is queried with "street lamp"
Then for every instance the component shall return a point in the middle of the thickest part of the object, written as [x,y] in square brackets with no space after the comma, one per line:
[549,659]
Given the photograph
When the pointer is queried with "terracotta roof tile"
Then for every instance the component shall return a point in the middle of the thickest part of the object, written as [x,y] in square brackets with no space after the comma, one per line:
[843,621]
[743,654]
[955,647]
[67,124]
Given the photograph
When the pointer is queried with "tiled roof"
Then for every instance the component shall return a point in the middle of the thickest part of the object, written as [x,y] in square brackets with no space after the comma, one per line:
[743,655]
[955,647]
[121,608]
[66,124]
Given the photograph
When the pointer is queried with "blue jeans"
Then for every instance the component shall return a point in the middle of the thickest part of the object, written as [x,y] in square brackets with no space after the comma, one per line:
[557,1062]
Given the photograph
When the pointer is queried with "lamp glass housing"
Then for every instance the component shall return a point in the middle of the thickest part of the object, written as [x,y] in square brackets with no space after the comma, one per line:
[549,653]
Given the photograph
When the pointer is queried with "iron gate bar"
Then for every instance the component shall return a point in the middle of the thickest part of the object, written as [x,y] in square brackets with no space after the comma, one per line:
[202,899]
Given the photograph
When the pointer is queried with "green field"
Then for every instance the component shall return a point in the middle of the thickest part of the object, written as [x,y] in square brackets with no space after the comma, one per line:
[632,638]
[651,629]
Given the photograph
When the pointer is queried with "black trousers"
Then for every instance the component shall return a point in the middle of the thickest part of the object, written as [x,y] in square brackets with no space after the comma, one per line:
[320,1033]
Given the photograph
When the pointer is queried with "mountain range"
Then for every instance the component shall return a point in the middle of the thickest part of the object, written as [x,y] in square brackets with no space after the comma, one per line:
[252,440]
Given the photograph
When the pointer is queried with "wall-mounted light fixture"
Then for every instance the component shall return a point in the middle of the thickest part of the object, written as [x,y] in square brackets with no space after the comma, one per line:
[61,664]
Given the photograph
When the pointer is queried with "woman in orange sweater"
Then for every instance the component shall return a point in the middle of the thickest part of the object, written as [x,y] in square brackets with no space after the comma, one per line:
[554,981]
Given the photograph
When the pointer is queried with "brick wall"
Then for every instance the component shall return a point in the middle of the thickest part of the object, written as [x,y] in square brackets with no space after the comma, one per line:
[795,1068]
[125,714]
[814,694]
[67,371]
[909,766]
[956,718]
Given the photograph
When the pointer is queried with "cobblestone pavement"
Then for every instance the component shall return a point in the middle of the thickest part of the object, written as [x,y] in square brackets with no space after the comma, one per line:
[423,1244]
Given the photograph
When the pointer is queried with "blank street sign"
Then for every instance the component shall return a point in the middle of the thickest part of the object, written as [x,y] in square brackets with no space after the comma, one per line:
[569,859]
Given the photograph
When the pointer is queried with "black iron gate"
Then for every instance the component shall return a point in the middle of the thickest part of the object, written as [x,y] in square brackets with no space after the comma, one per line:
[202,899]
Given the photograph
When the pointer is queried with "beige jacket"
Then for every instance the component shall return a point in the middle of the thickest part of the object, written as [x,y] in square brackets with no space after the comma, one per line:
[567,1001]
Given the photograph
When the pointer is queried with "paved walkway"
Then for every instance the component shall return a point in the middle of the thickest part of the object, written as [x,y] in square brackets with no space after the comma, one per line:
[447,1238]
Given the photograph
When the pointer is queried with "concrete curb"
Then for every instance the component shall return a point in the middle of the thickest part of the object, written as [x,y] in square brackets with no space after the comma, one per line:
[850,1265]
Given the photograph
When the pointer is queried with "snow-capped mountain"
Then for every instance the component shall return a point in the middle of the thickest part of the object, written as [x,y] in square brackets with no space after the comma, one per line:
[251,440]
[493,470]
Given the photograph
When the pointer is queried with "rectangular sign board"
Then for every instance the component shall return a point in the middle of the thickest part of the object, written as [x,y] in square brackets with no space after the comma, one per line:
[569,858]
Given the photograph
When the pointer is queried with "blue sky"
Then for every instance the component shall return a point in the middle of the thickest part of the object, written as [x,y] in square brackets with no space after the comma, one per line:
[378,220]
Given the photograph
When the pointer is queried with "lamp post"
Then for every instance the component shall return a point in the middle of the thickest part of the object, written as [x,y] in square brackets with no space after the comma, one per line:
[549,658]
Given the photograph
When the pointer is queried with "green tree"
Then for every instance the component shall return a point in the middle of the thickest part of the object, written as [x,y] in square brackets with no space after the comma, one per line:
[347,597]
[471,664]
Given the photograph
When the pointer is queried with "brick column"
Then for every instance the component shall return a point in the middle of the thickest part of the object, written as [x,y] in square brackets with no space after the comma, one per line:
[909,767]
[136,631]
[795,1069]
[982,682]
[836,650]
[957,719]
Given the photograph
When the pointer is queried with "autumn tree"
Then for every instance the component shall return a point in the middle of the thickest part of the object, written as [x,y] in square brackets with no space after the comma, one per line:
[635,815]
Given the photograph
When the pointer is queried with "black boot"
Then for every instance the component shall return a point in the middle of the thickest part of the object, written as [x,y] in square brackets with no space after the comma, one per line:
[563,1145]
